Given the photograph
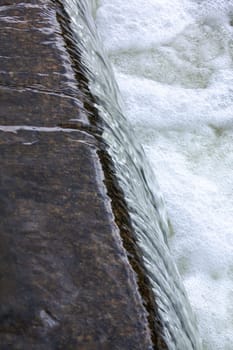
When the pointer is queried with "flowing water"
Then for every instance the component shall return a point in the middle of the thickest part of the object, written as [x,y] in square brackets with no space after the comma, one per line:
[173,63]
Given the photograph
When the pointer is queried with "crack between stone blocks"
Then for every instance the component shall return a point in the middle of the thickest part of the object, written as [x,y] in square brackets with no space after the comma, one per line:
[66,129]
[21,88]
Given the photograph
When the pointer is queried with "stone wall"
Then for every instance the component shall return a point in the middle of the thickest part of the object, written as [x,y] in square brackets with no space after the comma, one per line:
[66,281]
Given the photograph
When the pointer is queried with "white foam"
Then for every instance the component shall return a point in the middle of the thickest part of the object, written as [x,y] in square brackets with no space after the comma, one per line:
[173,61]
[135,24]
[165,106]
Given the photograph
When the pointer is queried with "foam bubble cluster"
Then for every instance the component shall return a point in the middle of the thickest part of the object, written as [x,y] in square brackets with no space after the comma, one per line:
[173,61]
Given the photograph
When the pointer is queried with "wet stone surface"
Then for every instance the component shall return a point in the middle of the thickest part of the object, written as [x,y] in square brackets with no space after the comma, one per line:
[66,282]
[35,67]
[28,107]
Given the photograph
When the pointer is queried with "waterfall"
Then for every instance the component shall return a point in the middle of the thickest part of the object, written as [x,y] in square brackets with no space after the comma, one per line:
[138,182]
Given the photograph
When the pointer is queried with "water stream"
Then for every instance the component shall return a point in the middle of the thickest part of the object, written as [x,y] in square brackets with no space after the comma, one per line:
[172,61]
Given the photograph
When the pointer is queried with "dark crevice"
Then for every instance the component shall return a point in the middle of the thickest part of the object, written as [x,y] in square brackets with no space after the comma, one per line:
[119,206]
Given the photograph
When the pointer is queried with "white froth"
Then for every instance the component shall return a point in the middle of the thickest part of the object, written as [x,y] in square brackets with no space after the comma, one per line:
[165,106]
[173,61]
[136,24]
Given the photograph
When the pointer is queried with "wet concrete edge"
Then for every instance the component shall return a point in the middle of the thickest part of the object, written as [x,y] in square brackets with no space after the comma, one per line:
[118,203]
[25,90]
[65,278]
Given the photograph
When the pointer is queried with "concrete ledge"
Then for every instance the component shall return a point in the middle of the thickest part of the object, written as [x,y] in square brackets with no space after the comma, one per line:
[66,281]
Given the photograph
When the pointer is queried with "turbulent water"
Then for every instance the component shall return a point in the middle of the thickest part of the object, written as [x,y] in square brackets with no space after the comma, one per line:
[173,62]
